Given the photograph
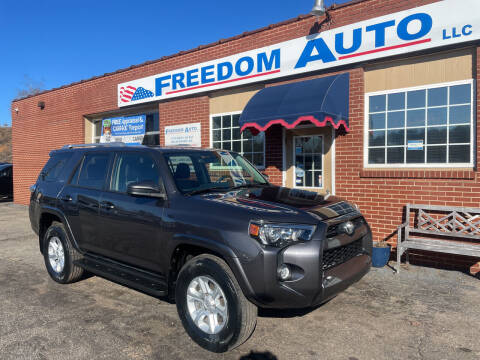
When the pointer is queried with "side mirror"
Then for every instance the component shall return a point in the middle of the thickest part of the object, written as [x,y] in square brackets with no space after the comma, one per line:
[146,189]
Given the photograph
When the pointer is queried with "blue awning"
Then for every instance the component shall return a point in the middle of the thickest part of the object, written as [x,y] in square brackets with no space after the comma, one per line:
[320,101]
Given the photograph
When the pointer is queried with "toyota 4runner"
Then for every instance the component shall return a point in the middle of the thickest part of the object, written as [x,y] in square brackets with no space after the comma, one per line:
[202,227]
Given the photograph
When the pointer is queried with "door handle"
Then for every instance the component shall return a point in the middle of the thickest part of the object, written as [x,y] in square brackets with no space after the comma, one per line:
[66,198]
[107,205]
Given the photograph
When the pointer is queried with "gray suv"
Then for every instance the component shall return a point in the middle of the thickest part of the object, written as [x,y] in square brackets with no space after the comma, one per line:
[201,227]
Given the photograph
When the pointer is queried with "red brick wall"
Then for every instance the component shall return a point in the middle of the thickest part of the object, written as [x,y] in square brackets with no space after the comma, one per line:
[36,133]
[381,195]
[274,154]
[184,111]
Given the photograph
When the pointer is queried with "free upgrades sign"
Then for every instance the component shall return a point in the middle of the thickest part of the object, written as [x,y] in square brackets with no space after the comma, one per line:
[440,24]
[127,129]
[183,135]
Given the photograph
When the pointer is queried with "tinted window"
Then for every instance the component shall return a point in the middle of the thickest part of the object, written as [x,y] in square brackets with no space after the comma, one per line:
[199,171]
[5,171]
[133,168]
[53,169]
[94,171]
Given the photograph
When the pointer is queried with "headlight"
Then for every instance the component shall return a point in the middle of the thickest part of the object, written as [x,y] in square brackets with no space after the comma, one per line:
[280,235]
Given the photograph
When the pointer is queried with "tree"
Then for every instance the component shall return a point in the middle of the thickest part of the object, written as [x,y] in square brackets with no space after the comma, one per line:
[30,87]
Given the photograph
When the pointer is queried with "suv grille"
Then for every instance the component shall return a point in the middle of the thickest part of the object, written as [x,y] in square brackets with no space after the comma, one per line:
[339,255]
[332,230]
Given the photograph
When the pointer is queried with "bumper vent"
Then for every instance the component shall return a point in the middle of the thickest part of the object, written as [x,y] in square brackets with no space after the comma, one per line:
[337,256]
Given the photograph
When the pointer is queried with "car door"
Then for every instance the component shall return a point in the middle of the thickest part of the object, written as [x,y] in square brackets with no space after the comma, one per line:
[80,199]
[4,186]
[132,225]
[10,182]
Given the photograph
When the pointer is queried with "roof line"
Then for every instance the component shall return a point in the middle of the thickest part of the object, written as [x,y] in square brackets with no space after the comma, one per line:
[198,48]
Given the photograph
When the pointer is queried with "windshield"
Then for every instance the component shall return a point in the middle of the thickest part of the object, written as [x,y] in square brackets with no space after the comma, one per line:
[202,171]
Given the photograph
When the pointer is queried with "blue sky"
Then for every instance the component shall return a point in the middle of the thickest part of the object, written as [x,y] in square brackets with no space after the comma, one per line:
[50,43]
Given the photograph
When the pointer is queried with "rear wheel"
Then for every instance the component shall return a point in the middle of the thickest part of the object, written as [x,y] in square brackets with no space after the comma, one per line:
[211,305]
[59,255]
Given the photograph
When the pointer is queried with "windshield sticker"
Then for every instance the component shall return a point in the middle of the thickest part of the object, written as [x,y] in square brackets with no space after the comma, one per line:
[237,176]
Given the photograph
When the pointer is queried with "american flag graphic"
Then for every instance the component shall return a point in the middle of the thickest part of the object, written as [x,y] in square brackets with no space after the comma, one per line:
[130,93]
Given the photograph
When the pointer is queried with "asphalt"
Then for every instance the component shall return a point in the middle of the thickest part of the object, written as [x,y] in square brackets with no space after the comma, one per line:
[422,313]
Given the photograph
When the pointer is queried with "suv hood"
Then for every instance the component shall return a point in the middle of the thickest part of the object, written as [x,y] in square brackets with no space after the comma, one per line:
[276,199]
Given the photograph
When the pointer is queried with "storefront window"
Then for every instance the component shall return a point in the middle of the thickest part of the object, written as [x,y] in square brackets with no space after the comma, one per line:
[152,130]
[427,126]
[225,135]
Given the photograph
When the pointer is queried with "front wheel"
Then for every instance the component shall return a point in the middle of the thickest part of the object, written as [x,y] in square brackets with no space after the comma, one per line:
[211,305]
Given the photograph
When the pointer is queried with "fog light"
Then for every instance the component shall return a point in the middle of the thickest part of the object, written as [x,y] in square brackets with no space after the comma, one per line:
[283,272]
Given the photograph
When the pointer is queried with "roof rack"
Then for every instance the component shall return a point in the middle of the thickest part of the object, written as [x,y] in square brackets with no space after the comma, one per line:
[71,146]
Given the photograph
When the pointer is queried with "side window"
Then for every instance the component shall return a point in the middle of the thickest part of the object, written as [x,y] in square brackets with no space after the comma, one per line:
[183,172]
[131,168]
[53,169]
[93,171]
[74,178]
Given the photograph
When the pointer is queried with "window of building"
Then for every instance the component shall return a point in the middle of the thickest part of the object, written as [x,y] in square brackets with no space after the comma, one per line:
[308,161]
[225,135]
[152,130]
[420,127]
[133,168]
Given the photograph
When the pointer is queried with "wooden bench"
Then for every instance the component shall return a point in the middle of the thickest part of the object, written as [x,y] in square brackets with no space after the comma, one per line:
[445,229]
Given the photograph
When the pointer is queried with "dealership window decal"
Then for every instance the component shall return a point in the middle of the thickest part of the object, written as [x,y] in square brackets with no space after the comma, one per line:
[152,130]
[225,134]
[427,126]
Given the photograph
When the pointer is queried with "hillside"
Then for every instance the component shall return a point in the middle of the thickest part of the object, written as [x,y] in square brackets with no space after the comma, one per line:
[5,144]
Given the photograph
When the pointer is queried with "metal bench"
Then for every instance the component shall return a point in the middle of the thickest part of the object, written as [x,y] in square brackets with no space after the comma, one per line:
[445,229]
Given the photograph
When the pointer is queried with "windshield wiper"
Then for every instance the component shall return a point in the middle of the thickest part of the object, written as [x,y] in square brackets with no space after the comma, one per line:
[248,186]
[201,191]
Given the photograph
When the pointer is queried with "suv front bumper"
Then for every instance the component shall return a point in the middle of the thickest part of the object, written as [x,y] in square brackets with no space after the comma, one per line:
[313,282]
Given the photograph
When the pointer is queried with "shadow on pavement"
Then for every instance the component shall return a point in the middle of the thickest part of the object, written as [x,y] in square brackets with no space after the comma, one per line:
[253,355]
[286,313]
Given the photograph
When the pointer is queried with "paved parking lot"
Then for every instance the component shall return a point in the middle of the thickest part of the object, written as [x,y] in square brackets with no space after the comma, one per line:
[421,314]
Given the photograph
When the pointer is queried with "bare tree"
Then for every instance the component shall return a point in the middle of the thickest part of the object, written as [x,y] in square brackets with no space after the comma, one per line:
[6,144]
[30,86]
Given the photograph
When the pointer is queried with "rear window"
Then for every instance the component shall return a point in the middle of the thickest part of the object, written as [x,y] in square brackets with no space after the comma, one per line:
[55,166]
[93,171]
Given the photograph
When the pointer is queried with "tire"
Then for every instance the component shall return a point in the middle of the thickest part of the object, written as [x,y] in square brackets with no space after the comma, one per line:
[241,314]
[68,273]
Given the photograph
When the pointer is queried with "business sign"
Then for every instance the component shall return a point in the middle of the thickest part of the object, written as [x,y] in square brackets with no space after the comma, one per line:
[443,23]
[184,135]
[127,129]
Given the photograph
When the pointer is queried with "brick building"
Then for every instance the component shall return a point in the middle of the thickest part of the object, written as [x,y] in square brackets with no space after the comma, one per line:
[409,133]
